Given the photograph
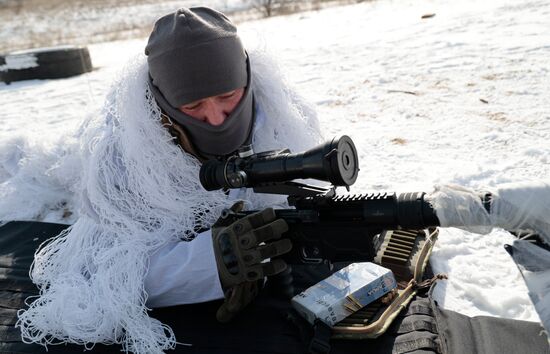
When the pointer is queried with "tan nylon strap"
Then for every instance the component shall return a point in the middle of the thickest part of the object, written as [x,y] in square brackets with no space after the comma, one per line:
[182,139]
[425,253]
[378,327]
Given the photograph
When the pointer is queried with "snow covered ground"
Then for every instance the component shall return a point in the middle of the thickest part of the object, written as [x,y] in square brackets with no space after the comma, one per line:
[461,97]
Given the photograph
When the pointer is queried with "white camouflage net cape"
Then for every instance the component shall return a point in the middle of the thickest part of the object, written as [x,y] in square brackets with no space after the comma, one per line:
[514,207]
[140,190]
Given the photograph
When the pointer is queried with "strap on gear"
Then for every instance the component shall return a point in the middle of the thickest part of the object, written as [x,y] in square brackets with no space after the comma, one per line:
[320,343]
[418,325]
[415,344]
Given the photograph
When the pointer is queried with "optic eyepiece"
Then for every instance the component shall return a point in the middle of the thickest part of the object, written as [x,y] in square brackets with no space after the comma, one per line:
[335,161]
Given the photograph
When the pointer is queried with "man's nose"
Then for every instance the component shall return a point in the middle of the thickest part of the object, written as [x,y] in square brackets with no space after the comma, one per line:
[215,113]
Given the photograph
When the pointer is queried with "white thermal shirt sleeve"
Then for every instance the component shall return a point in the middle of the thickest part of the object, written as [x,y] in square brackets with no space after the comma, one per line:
[183,272]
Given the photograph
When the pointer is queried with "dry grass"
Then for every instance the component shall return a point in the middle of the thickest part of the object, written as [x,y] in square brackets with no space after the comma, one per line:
[398,141]
[39,23]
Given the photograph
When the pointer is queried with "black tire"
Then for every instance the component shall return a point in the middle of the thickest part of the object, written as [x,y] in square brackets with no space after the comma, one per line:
[45,63]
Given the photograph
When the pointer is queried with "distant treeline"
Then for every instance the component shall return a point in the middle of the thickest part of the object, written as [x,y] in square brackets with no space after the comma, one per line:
[38,23]
[19,5]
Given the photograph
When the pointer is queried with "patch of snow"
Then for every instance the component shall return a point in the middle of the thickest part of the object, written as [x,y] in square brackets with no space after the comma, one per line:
[19,62]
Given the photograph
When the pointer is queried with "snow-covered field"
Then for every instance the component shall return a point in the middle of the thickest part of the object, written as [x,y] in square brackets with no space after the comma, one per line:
[462,97]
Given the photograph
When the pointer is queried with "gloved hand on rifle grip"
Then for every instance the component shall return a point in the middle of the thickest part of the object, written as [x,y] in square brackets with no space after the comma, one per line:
[241,248]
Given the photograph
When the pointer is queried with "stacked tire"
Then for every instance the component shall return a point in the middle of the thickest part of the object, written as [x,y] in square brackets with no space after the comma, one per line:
[45,63]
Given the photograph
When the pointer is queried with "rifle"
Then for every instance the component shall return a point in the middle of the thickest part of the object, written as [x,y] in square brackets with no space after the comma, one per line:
[323,226]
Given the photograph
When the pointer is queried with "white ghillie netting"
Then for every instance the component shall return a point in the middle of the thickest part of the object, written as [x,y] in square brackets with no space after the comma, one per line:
[513,207]
[139,191]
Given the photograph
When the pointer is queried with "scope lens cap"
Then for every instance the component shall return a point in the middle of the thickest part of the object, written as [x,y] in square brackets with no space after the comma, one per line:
[346,166]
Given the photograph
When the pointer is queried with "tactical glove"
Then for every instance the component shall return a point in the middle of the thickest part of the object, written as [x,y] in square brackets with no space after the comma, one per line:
[241,247]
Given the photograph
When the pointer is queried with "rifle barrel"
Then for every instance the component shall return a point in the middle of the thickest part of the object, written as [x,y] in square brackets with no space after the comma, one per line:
[383,210]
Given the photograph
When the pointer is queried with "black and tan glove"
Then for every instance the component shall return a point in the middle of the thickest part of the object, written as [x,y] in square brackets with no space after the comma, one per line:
[241,248]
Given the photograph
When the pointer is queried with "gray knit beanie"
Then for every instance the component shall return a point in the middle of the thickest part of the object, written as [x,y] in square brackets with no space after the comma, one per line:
[193,54]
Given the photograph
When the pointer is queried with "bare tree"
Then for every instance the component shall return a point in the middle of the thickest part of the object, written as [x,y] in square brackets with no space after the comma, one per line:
[269,7]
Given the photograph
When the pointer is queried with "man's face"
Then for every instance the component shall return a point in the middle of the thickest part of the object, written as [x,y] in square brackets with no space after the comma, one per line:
[215,109]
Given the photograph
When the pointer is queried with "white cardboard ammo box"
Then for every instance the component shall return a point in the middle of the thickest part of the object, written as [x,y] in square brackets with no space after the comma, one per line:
[344,292]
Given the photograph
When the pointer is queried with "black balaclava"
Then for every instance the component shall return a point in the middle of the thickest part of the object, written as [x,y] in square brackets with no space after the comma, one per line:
[195,53]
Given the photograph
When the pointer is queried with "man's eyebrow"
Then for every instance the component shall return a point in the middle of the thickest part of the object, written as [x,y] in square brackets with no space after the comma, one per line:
[192,105]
